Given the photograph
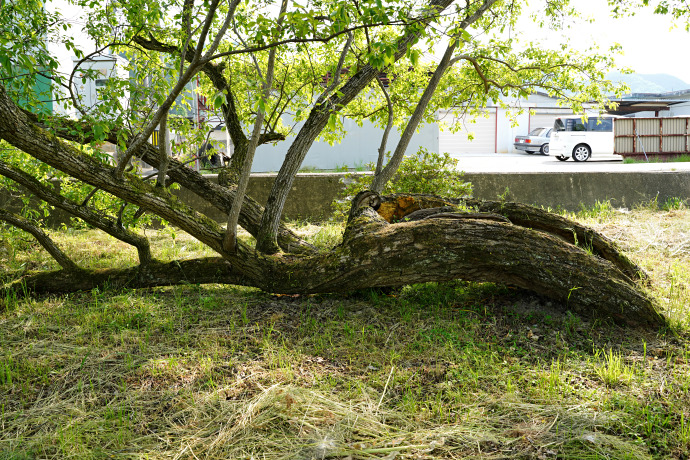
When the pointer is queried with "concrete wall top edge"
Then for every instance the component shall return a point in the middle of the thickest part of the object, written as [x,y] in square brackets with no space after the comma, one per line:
[579,173]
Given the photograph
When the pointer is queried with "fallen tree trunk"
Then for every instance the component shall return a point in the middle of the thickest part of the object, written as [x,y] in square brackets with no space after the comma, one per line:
[377,253]
[500,242]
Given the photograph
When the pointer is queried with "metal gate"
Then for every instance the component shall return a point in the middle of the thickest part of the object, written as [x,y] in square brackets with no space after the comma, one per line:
[664,137]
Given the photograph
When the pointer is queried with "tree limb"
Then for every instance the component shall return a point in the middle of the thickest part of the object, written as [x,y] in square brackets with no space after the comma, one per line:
[93,218]
[230,237]
[317,120]
[14,122]
[446,62]
[336,73]
[196,62]
[45,241]
[386,131]
[375,253]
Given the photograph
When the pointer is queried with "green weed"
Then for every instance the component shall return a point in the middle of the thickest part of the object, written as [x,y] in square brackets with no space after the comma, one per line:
[601,210]
[684,158]
[613,370]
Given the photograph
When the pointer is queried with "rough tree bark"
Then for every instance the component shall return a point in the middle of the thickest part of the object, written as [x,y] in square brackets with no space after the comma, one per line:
[446,246]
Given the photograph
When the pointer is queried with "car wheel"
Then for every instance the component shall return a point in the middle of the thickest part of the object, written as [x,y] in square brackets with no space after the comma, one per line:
[581,153]
[544,150]
[561,158]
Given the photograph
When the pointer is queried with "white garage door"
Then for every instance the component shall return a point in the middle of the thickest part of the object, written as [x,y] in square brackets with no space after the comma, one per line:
[546,117]
[483,130]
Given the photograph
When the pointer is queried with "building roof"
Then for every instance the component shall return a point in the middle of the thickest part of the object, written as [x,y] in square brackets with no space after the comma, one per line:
[649,102]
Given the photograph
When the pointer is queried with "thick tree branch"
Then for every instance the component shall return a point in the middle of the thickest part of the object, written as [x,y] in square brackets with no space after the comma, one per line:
[16,129]
[446,62]
[230,237]
[436,249]
[221,197]
[386,131]
[315,123]
[41,236]
[163,153]
[89,216]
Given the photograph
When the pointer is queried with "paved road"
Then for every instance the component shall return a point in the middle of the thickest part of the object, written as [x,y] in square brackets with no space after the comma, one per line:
[522,162]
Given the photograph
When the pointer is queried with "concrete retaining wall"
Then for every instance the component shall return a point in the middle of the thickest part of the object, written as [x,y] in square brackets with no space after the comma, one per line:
[310,198]
[312,194]
[568,191]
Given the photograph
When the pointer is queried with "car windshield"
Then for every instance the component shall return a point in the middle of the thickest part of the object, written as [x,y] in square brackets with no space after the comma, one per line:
[558,125]
[537,132]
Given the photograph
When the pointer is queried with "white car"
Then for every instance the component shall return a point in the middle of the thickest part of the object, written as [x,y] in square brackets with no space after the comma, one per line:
[573,137]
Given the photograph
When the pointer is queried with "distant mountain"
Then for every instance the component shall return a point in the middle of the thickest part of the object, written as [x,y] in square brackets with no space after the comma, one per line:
[649,83]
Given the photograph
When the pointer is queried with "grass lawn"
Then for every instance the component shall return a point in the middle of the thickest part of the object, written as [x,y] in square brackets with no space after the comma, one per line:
[454,370]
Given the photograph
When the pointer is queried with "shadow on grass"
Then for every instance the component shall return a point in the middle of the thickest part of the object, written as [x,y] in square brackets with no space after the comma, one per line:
[435,370]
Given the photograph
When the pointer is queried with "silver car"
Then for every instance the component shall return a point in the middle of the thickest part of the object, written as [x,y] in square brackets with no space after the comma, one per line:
[536,141]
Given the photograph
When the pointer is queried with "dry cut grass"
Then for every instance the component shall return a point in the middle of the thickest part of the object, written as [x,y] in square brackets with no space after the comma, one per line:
[456,370]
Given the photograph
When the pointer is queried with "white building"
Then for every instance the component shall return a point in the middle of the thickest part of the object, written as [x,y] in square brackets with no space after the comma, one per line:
[358,148]
[496,130]
[91,76]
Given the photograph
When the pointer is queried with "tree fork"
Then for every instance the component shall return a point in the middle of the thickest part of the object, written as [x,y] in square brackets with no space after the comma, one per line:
[266,241]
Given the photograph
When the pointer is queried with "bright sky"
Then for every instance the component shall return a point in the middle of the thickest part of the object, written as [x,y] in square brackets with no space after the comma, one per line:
[649,46]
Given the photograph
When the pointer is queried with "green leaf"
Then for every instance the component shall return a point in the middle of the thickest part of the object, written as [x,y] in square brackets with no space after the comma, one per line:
[414,57]
[5,61]
[219,100]
[98,132]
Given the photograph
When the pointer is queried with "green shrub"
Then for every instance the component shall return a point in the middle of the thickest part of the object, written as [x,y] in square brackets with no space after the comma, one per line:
[423,172]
